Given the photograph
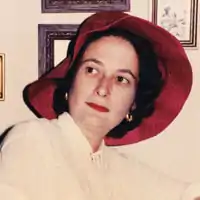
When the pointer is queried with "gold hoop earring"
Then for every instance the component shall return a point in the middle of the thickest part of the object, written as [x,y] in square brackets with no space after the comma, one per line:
[66,96]
[129,117]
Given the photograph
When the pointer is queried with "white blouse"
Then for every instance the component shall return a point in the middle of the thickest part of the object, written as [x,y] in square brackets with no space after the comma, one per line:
[52,160]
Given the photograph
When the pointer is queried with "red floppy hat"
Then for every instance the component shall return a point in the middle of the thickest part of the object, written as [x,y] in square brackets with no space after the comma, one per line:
[178,74]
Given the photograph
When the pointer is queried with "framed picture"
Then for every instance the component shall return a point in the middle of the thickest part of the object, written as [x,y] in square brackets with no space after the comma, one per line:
[179,17]
[2,76]
[65,6]
[53,40]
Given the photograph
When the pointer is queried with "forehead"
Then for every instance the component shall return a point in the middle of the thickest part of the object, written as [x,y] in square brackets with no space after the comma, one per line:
[111,42]
[112,50]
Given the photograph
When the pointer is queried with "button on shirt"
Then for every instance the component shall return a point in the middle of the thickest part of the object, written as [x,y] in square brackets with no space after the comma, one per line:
[52,160]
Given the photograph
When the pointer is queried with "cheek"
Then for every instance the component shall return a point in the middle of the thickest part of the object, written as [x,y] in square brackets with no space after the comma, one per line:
[123,102]
[80,91]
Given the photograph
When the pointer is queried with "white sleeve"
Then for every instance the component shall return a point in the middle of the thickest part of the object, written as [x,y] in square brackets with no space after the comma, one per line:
[22,156]
[10,193]
[147,183]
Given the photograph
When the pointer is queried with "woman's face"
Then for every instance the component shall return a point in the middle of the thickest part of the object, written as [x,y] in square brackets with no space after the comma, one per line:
[105,85]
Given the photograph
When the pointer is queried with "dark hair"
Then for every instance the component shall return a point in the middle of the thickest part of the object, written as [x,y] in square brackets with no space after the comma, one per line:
[149,85]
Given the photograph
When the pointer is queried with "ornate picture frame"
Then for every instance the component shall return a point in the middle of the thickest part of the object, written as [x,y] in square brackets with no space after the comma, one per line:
[67,6]
[179,17]
[2,77]
[47,35]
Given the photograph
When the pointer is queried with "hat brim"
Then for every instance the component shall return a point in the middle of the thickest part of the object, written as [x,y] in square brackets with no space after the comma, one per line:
[178,80]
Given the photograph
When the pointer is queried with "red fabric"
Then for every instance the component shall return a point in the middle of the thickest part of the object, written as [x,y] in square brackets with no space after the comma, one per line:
[170,53]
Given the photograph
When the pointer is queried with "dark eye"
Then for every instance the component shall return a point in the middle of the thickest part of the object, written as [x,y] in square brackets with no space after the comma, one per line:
[91,70]
[122,80]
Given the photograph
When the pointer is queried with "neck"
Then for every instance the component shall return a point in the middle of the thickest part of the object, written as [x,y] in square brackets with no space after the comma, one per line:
[95,143]
[94,135]
[94,130]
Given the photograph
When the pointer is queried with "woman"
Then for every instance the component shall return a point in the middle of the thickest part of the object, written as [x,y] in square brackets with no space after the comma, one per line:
[112,89]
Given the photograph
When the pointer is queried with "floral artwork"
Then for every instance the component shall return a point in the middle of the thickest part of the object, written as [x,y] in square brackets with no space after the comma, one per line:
[179,17]
[174,22]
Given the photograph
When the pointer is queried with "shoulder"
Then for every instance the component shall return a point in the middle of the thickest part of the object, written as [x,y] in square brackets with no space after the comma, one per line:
[30,143]
[30,131]
[142,177]
[131,165]
[119,159]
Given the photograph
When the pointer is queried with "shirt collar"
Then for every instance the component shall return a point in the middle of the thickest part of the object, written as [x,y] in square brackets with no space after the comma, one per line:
[76,138]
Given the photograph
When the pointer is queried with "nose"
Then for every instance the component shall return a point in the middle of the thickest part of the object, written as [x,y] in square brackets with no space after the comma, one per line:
[103,87]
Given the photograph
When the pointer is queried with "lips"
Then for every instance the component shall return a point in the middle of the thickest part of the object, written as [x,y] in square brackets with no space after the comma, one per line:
[98,107]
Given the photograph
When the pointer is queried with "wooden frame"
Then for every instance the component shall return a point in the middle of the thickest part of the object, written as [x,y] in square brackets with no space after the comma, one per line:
[48,33]
[179,17]
[2,76]
[65,6]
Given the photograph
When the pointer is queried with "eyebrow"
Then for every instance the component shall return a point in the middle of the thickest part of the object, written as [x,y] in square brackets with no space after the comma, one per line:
[92,60]
[100,63]
[129,72]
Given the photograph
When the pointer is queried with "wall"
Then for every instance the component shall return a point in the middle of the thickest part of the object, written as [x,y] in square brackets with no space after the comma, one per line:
[176,151]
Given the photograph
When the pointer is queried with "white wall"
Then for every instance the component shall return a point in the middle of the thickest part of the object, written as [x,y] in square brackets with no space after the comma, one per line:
[176,151]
